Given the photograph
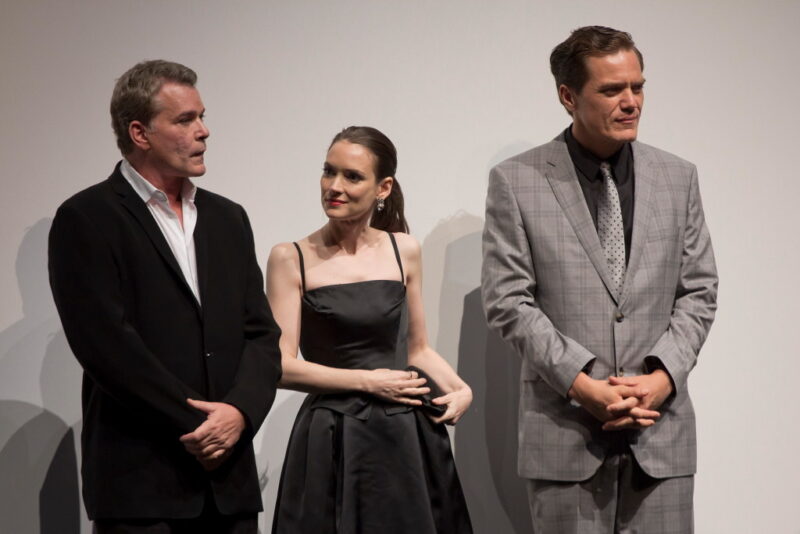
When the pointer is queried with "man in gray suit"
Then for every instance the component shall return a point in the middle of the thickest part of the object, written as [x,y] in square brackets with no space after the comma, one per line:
[598,270]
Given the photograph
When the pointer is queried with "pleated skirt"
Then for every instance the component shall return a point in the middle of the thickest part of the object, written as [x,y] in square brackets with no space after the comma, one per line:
[387,471]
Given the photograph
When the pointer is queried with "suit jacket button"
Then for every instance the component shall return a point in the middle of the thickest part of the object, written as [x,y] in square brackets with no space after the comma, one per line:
[619,317]
[209,354]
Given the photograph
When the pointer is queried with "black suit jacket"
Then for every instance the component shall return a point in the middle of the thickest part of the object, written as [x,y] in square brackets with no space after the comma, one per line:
[146,345]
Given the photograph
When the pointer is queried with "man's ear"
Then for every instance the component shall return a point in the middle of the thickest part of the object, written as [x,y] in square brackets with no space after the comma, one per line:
[138,133]
[567,97]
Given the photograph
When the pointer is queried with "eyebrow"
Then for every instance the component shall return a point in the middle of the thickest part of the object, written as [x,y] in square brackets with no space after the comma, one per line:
[332,167]
[190,114]
[618,86]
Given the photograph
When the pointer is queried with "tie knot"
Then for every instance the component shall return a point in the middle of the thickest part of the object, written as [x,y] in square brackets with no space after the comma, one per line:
[605,169]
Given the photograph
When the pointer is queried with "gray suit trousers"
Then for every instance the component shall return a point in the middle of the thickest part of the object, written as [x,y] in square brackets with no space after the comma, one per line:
[619,499]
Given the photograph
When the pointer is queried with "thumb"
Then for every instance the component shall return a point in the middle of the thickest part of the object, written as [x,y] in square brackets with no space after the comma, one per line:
[203,406]
[444,399]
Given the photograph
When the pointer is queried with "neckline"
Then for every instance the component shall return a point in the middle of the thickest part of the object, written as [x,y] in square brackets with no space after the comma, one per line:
[396,256]
[328,286]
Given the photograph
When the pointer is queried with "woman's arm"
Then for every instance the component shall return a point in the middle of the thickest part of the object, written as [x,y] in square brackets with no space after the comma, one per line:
[284,292]
[458,395]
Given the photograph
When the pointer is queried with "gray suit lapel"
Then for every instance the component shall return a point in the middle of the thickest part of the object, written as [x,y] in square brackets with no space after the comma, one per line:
[564,181]
[646,173]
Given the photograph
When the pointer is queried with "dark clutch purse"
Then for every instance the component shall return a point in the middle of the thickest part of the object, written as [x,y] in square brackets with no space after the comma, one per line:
[435,410]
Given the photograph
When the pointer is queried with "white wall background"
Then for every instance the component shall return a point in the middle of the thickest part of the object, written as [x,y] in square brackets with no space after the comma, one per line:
[458,86]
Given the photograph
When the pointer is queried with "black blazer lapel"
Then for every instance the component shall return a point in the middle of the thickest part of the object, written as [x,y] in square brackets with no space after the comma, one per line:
[201,244]
[568,192]
[133,203]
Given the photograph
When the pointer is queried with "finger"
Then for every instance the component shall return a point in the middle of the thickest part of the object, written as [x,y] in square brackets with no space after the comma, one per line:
[444,399]
[203,406]
[628,422]
[196,436]
[445,417]
[213,454]
[192,448]
[643,413]
[623,380]
[191,437]
[632,391]
[209,450]
[206,441]
[619,424]
[408,400]
[623,406]
[415,383]
[410,392]
[644,423]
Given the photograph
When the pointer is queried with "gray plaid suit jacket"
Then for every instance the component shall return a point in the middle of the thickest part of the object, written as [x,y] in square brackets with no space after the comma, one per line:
[546,291]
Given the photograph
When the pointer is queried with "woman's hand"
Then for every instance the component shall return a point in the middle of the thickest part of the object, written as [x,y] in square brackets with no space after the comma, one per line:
[401,387]
[457,403]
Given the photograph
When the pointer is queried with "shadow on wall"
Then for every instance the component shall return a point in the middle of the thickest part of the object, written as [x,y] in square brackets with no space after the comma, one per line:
[40,407]
[486,439]
[274,436]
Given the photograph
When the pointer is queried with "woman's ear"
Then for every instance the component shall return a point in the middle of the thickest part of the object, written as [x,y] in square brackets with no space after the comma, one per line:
[385,187]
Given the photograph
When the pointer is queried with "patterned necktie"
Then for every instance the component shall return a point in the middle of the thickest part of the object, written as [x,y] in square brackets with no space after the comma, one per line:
[610,229]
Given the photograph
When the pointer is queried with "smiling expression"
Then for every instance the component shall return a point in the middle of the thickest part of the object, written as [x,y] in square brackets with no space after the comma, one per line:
[606,111]
[348,184]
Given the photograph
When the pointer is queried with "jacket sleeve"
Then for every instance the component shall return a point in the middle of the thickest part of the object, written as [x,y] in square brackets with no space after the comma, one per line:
[695,296]
[260,365]
[508,283]
[86,286]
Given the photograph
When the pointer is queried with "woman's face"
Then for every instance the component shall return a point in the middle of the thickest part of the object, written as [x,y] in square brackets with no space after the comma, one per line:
[348,184]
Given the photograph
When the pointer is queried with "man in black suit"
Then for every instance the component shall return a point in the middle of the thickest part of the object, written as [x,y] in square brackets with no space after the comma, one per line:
[161,298]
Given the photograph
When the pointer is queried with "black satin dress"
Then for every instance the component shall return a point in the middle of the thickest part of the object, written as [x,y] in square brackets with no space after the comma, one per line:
[356,464]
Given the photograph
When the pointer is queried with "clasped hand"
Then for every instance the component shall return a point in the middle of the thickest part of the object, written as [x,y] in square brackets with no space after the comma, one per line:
[623,402]
[405,387]
[402,387]
[212,442]
[457,403]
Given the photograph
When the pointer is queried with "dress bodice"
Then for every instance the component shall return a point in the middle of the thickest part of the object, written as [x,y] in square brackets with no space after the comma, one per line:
[359,325]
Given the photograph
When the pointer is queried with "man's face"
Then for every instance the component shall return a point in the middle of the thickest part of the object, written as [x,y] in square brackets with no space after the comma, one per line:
[606,111]
[177,135]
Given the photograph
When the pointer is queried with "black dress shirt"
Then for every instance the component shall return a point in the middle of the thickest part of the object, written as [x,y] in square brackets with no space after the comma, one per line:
[587,167]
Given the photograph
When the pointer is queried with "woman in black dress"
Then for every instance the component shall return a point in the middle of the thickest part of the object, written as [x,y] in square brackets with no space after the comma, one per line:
[367,453]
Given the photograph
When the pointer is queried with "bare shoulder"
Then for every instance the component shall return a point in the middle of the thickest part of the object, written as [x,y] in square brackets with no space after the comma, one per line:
[283,256]
[283,252]
[410,249]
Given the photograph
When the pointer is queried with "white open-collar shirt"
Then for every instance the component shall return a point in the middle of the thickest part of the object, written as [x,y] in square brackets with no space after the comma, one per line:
[180,238]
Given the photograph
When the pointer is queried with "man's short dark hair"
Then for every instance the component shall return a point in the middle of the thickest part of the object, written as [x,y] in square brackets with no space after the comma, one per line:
[134,92]
[568,59]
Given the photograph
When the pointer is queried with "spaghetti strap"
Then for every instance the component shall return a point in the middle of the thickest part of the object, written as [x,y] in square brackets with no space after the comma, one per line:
[302,266]
[397,256]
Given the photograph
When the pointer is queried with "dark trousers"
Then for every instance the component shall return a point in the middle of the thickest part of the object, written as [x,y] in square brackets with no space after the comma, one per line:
[210,521]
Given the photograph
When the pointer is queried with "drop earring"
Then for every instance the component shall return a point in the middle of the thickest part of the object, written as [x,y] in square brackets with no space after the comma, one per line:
[380,205]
